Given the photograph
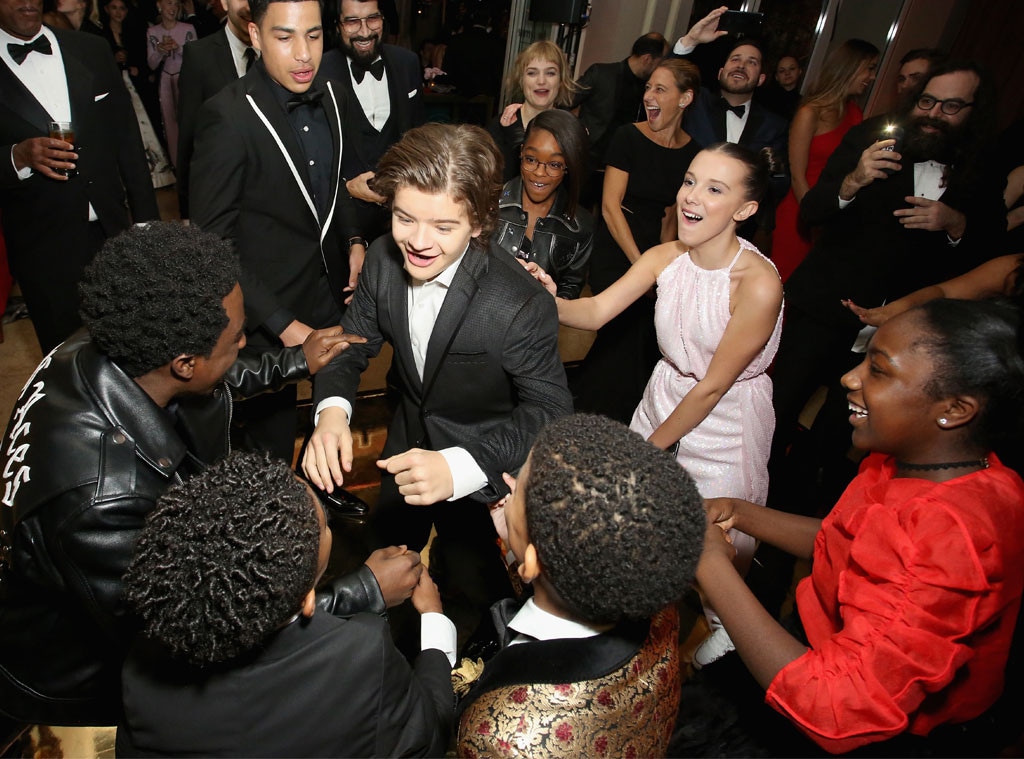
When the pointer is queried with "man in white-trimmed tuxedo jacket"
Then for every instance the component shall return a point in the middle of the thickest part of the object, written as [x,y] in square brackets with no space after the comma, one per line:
[265,173]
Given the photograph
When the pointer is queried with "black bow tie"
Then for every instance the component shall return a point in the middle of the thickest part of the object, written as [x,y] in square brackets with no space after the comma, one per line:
[19,53]
[739,110]
[310,97]
[376,68]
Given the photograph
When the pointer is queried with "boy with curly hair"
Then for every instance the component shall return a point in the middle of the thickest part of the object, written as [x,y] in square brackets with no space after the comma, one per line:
[233,660]
[607,529]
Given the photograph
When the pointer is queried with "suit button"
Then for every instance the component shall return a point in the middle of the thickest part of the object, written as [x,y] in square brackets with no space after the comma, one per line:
[164,462]
[515,249]
[118,437]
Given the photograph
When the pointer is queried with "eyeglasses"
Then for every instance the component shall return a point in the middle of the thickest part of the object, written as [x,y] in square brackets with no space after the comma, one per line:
[353,24]
[948,107]
[555,168]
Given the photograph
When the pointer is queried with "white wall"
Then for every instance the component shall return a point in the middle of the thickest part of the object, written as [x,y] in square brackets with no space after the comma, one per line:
[615,24]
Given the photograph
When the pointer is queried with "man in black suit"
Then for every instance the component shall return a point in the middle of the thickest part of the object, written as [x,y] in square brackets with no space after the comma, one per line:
[54,224]
[385,100]
[266,174]
[893,219]
[732,115]
[476,365]
[208,65]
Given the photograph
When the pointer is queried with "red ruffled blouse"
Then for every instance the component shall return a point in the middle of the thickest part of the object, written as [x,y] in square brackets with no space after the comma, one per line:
[910,606]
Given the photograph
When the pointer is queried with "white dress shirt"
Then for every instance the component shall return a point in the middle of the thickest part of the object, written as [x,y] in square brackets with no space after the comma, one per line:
[374,96]
[437,631]
[734,125]
[533,623]
[238,49]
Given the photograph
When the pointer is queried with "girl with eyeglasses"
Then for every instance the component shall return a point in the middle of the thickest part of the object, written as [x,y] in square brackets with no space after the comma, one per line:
[538,212]
[646,164]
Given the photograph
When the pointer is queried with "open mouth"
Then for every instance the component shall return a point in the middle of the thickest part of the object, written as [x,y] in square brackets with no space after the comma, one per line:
[692,217]
[857,412]
[652,112]
[303,76]
[419,260]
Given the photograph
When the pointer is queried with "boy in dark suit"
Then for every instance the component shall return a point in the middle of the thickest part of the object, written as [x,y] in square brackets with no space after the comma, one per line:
[476,364]
[236,663]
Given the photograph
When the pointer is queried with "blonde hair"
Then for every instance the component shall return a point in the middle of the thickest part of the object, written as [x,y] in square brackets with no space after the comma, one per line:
[542,50]
[828,91]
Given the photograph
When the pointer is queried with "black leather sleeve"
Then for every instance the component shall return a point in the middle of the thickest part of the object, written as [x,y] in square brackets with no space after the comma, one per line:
[350,594]
[260,372]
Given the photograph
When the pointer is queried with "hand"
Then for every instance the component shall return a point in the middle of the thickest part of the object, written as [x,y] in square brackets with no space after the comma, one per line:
[322,345]
[359,187]
[541,276]
[705,30]
[397,570]
[356,257]
[875,317]
[295,333]
[423,477]
[871,166]
[716,543]
[329,451]
[931,215]
[721,511]
[508,116]
[425,596]
[120,56]
[43,155]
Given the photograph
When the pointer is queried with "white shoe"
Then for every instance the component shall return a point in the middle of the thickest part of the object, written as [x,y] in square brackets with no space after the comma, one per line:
[713,648]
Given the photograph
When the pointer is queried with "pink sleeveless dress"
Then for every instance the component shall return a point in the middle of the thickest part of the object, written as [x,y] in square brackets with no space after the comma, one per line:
[727,453]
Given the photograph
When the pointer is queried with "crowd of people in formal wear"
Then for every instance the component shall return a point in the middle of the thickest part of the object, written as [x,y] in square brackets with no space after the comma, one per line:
[738,246]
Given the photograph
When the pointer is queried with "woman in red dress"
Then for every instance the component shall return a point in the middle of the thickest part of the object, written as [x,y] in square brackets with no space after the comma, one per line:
[917,572]
[826,113]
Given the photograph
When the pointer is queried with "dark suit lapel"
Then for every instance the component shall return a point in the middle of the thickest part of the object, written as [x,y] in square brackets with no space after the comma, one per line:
[272,118]
[22,102]
[80,90]
[449,320]
[225,61]
[399,97]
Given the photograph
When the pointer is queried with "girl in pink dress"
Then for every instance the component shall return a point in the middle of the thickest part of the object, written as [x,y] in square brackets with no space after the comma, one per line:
[166,40]
[718,318]
[827,112]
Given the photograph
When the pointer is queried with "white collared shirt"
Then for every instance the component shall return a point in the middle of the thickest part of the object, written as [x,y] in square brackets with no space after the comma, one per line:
[734,125]
[238,49]
[42,75]
[374,96]
[534,623]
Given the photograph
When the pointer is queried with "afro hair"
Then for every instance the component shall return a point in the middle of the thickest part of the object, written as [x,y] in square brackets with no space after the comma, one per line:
[155,292]
[225,559]
[618,525]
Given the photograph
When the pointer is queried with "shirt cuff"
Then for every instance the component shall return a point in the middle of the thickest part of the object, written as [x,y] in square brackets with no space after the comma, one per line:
[844,203]
[335,401]
[278,321]
[467,476]
[437,631]
[20,173]
[680,49]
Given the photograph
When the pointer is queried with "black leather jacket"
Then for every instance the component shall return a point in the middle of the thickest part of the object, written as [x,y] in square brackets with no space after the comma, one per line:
[86,455]
[561,244]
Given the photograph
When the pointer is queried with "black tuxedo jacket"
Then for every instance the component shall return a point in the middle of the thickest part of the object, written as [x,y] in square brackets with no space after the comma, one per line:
[492,376]
[249,184]
[603,86]
[206,68]
[866,255]
[405,84]
[40,213]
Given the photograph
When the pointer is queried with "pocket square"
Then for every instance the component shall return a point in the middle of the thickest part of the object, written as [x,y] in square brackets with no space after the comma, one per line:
[100,97]
[414,93]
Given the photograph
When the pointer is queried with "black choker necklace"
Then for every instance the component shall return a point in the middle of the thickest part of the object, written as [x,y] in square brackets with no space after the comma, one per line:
[982,463]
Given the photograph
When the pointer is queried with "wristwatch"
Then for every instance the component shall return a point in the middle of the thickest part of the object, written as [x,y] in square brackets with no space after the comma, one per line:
[357,241]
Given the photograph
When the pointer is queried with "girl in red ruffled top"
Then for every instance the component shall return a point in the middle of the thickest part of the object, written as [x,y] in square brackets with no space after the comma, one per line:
[917,572]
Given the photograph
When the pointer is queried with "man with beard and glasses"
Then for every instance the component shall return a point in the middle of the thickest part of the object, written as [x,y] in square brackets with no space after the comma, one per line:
[733,115]
[385,100]
[892,218]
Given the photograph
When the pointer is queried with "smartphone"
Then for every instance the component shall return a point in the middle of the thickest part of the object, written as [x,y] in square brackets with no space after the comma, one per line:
[892,132]
[741,23]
